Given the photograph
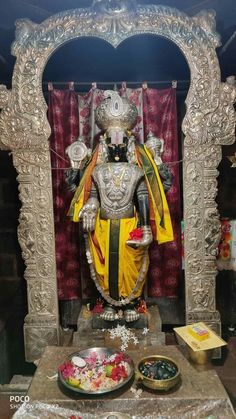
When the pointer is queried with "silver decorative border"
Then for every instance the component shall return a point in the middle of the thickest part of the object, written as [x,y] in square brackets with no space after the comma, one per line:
[24,129]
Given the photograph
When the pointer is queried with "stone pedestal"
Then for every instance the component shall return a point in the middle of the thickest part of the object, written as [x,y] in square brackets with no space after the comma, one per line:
[200,393]
[87,336]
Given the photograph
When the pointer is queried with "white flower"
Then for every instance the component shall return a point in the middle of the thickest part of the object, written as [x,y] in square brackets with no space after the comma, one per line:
[145,331]
[135,340]
[126,335]
[136,392]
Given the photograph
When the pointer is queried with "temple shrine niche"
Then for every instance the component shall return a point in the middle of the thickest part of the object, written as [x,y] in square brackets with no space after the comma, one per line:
[208,124]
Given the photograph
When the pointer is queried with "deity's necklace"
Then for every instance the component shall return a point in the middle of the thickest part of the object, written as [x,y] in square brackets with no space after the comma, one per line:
[116,179]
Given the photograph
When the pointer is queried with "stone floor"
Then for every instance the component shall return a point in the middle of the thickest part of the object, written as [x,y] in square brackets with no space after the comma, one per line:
[227,370]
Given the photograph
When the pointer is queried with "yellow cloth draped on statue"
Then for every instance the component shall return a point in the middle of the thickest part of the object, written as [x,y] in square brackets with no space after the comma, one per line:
[130,260]
[159,210]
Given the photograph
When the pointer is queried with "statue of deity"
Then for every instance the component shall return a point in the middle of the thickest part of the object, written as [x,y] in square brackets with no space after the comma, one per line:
[121,203]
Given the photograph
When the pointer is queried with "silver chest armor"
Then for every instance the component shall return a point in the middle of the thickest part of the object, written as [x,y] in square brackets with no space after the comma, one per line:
[116,183]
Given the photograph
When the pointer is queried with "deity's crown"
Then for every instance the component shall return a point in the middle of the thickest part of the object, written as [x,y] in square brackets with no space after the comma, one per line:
[115,112]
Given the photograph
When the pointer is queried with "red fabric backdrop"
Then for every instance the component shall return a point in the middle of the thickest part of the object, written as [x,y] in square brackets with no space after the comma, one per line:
[63,118]
[160,117]
[70,115]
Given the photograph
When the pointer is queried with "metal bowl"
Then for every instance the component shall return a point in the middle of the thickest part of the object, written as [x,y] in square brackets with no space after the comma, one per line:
[158,384]
[99,351]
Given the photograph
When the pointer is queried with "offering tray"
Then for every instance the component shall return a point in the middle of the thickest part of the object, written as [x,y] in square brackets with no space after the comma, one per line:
[107,370]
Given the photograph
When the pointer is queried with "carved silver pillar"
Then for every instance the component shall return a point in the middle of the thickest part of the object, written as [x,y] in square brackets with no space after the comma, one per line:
[31,159]
[202,155]
[36,237]
[202,233]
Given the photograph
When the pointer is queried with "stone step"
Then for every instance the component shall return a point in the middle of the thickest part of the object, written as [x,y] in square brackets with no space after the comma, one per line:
[18,384]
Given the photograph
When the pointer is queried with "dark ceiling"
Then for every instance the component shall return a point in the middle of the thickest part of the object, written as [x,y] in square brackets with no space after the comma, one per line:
[142,58]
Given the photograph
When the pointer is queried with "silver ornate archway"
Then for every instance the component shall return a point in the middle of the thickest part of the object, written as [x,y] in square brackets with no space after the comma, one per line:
[24,129]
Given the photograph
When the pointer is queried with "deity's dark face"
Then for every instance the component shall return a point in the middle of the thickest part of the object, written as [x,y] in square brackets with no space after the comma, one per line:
[117,152]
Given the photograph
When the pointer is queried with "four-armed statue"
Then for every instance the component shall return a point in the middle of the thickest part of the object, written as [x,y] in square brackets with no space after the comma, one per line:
[122,205]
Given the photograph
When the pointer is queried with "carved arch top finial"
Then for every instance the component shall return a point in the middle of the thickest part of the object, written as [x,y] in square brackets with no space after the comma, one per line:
[114,7]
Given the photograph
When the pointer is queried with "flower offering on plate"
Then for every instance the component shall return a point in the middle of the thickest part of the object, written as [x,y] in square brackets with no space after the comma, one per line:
[96,370]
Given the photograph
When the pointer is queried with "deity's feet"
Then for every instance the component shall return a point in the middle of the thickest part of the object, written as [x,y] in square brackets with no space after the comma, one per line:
[109,314]
[131,315]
